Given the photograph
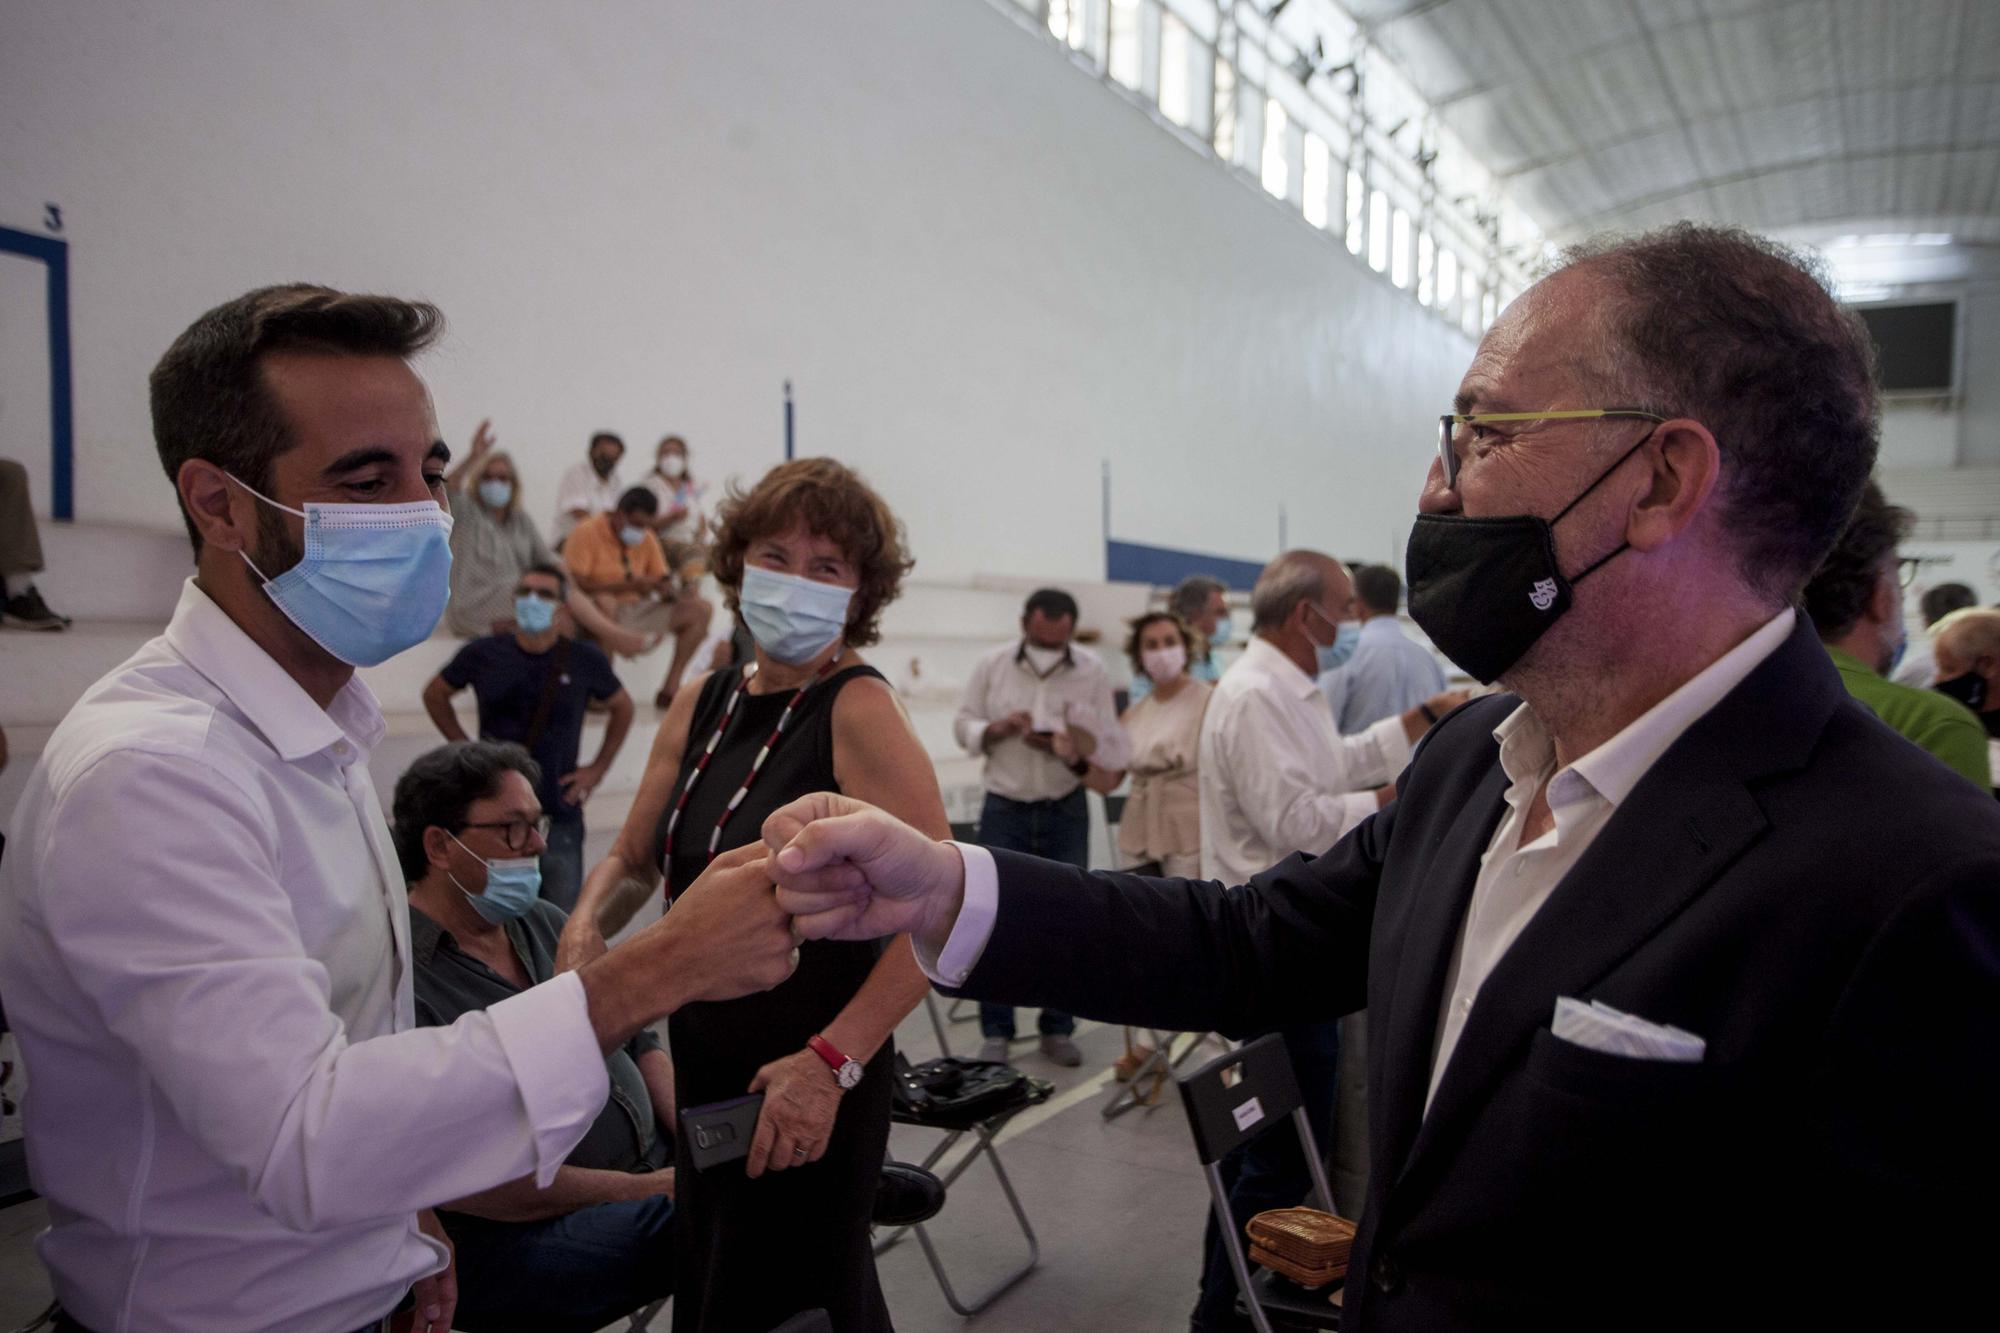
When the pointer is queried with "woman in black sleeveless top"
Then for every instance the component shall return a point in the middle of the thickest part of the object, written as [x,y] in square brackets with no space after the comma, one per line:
[808,558]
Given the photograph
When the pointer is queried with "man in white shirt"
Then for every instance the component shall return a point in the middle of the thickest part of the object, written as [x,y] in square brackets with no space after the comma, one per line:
[1673,942]
[1389,671]
[1277,778]
[591,487]
[1039,710]
[204,937]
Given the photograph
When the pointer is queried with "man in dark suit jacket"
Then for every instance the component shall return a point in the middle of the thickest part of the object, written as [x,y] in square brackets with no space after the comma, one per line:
[1683,972]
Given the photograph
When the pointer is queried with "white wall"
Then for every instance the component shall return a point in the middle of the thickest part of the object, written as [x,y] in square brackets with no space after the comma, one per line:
[985,272]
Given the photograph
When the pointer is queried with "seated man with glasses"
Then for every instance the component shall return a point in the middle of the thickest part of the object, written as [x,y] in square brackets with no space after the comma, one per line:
[596,1244]
[533,685]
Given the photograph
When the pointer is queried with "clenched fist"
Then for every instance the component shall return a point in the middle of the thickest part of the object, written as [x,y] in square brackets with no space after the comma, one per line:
[848,871]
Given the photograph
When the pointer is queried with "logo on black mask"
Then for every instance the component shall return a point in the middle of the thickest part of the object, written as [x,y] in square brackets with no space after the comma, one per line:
[1544,594]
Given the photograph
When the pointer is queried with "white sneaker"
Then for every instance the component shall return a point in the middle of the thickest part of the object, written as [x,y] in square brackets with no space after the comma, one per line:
[994,1050]
[1061,1051]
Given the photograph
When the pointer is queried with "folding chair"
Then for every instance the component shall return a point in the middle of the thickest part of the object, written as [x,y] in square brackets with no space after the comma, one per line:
[1229,1101]
[1154,1071]
[983,1125]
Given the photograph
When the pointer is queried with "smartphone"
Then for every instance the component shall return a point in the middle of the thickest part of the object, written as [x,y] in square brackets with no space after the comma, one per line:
[720,1132]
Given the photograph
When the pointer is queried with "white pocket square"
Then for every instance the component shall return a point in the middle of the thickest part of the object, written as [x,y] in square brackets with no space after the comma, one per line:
[1599,1027]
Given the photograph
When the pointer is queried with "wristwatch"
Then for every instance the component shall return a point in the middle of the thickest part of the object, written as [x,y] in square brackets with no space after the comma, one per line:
[846,1072]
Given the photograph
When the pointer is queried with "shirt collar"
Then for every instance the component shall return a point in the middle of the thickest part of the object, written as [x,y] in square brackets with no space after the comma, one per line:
[1270,657]
[1614,768]
[425,935]
[275,704]
[1848,664]
[1021,656]
[1381,627]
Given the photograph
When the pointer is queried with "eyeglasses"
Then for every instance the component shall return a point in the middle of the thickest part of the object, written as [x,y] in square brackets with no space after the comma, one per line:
[1907,568]
[517,831]
[1449,423]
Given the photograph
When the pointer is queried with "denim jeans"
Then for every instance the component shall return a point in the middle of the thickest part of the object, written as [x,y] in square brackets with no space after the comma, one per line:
[1058,830]
[562,864]
[569,1274]
[1270,1171]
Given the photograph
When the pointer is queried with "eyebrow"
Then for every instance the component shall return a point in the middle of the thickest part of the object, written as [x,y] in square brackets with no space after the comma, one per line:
[357,459]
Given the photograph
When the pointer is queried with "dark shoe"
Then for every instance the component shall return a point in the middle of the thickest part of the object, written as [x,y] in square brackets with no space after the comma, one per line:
[29,611]
[993,1050]
[1060,1050]
[906,1195]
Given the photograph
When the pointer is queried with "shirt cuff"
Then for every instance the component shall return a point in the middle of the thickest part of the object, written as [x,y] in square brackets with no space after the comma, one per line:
[977,911]
[975,741]
[546,1034]
[1357,806]
[1393,742]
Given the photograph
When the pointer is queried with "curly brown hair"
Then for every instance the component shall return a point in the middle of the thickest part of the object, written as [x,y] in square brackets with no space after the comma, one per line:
[831,501]
[1145,622]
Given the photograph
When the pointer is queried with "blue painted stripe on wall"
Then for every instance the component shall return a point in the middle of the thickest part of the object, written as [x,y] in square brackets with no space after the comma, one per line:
[54,254]
[1162,566]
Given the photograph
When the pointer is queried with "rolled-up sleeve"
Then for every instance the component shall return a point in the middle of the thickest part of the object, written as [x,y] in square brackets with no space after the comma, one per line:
[186,944]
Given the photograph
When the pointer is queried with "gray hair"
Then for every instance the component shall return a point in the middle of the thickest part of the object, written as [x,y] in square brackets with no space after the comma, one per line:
[1190,598]
[1294,577]
[1743,335]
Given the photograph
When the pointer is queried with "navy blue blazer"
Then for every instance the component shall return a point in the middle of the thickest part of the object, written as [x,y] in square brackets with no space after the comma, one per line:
[1809,892]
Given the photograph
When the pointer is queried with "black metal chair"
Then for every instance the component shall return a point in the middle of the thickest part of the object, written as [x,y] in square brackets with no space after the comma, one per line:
[1229,1101]
[983,1125]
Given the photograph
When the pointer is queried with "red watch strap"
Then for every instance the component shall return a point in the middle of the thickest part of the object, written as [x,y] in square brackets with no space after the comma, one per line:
[826,1051]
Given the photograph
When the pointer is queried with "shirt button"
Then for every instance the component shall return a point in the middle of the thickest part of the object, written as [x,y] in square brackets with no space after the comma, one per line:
[342,749]
[1465,1004]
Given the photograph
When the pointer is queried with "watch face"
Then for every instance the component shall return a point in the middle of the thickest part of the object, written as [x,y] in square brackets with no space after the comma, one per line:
[849,1074]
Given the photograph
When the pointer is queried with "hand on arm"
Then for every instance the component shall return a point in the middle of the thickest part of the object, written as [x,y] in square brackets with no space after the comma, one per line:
[574,1187]
[435,1298]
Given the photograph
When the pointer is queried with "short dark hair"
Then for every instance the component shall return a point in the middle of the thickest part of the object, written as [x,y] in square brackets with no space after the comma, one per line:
[1378,588]
[1941,601]
[438,788]
[1189,598]
[1053,603]
[832,501]
[640,499]
[1146,622]
[553,571]
[605,435]
[1743,334]
[209,397]
[1838,592]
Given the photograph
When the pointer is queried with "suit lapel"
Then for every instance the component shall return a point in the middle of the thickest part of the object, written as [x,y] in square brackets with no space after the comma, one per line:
[1684,823]
[1423,950]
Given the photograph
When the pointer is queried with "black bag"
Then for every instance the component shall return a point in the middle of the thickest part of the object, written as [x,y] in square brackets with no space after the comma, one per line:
[955,1088]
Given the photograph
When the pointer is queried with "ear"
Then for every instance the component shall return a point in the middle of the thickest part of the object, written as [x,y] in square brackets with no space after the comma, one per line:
[1686,464]
[223,513]
[437,848]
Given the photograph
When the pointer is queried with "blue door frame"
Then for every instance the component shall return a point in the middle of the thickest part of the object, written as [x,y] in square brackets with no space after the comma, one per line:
[54,255]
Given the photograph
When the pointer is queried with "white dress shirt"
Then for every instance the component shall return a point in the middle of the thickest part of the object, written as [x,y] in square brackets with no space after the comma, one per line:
[1276,777]
[204,946]
[1077,690]
[1514,881]
[582,488]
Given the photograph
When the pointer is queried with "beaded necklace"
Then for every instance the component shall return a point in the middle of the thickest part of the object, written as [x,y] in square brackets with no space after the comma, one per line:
[756,765]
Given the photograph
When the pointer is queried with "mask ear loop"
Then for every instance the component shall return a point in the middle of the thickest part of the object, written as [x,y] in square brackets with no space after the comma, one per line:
[246,555]
[1622,547]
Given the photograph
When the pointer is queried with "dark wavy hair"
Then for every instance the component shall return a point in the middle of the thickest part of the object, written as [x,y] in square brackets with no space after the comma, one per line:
[1143,623]
[1838,592]
[438,788]
[830,500]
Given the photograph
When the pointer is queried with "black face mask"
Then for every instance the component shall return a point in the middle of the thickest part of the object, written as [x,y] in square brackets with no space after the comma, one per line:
[1484,589]
[601,465]
[1969,689]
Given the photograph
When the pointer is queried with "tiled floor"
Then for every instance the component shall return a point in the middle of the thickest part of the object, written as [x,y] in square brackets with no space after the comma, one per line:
[1117,1205]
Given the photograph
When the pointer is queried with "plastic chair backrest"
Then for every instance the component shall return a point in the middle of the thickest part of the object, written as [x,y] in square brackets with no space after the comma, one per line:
[1239,1094]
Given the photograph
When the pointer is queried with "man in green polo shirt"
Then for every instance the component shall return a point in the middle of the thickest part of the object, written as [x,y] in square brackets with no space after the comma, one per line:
[1856,603]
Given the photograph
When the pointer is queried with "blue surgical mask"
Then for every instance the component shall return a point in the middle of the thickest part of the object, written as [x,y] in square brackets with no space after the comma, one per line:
[374,578]
[792,619]
[1346,634]
[630,535]
[512,885]
[1223,629]
[495,493]
[536,615]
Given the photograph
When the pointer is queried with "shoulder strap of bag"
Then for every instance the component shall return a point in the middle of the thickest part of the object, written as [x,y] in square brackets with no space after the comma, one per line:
[547,702]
